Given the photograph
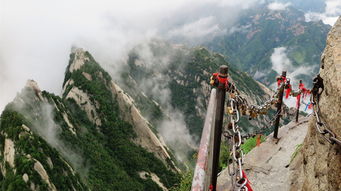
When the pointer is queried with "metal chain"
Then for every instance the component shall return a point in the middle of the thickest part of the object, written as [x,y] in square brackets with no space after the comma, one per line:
[235,138]
[321,127]
[251,110]
[239,106]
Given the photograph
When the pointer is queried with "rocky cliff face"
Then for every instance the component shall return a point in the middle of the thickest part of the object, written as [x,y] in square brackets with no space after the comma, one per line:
[321,161]
[91,138]
[126,105]
[178,76]
[268,166]
[28,152]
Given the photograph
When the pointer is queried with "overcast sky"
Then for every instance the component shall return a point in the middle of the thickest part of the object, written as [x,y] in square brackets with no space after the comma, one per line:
[36,35]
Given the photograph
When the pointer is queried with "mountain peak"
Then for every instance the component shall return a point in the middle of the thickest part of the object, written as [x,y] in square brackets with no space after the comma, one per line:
[82,64]
[80,57]
[33,85]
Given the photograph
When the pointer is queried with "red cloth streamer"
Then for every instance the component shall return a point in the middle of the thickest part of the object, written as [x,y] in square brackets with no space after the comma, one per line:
[280,80]
[287,92]
[211,187]
[310,106]
[222,79]
[248,182]
[304,90]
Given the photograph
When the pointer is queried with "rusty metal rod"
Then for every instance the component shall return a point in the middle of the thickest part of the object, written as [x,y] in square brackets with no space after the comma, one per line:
[221,94]
[298,105]
[279,105]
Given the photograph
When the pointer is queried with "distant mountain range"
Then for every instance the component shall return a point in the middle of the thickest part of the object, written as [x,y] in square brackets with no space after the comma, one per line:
[133,134]
[138,127]
[250,44]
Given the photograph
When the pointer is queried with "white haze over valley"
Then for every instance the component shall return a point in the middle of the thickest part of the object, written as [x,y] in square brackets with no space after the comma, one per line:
[36,37]
[329,16]
[276,6]
[281,62]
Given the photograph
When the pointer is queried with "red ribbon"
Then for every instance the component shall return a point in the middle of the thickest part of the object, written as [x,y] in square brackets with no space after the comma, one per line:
[222,79]
[310,106]
[287,92]
[304,90]
[280,80]
[248,182]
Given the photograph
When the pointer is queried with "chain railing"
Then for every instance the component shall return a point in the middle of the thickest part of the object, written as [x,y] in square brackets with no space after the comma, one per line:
[251,110]
[321,127]
[205,176]
[238,181]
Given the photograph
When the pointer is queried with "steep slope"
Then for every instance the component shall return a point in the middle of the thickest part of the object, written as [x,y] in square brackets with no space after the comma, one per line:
[251,43]
[177,77]
[93,91]
[90,73]
[29,159]
[321,161]
[268,166]
[94,128]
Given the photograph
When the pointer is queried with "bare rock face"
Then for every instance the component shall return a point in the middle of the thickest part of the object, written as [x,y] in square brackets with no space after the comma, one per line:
[83,99]
[321,160]
[43,174]
[9,152]
[145,136]
[80,59]
[268,166]
[34,85]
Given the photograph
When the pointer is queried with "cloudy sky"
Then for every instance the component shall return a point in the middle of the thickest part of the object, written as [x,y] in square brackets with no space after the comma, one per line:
[36,36]
[329,16]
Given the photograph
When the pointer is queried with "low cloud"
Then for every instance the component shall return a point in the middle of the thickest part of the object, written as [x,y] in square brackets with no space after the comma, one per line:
[198,29]
[330,14]
[172,128]
[50,131]
[176,134]
[277,6]
[281,62]
[258,75]
[41,117]
[239,29]
[36,36]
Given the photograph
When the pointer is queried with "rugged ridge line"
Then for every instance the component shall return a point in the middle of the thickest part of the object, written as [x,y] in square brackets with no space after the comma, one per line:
[320,162]
[128,111]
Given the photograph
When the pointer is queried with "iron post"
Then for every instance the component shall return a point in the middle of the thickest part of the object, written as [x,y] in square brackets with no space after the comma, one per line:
[279,104]
[221,94]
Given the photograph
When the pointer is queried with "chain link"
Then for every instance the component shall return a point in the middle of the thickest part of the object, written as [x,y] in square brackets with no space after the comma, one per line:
[234,136]
[239,106]
[248,109]
[321,127]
